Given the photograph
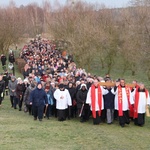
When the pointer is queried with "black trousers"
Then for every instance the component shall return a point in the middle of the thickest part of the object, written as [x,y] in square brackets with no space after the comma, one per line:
[73,111]
[54,111]
[140,120]
[97,120]
[15,101]
[1,99]
[29,109]
[38,111]
[85,114]
[124,119]
[20,103]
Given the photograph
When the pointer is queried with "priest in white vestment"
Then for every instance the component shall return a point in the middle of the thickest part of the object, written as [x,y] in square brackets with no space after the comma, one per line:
[96,101]
[141,104]
[63,100]
[123,101]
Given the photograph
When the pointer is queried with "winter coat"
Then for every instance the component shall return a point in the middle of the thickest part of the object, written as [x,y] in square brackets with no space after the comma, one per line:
[3,60]
[11,58]
[27,93]
[12,86]
[6,78]
[38,97]
[109,100]
[2,86]
[81,98]
[72,92]
[20,90]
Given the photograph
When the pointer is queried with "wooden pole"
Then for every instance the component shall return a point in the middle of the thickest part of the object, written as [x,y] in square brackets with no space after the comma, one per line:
[112,84]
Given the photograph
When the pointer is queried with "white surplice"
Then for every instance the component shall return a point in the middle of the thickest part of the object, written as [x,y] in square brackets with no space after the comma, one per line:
[62,103]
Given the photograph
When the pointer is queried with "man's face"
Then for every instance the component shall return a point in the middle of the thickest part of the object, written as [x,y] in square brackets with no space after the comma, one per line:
[122,82]
[96,82]
[141,86]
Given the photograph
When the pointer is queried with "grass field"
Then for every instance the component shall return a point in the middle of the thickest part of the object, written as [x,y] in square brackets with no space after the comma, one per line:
[18,131]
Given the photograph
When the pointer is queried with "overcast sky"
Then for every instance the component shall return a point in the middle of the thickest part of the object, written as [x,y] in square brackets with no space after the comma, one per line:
[108,3]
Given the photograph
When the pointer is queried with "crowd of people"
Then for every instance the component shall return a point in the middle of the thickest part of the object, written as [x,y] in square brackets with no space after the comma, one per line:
[53,86]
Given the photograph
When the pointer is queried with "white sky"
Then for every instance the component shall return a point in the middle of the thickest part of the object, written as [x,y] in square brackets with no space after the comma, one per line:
[108,3]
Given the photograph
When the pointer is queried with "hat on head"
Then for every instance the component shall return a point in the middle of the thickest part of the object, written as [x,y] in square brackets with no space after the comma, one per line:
[39,83]
[18,78]
[83,85]
[25,80]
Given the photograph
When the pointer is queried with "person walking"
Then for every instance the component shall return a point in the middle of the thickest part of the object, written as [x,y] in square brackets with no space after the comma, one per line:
[2,88]
[38,99]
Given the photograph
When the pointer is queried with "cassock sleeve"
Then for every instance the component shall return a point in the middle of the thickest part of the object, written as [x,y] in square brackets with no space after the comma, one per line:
[88,98]
[133,94]
[68,98]
[56,94]
[148,99]
[131,98]
[114,90]
[104,91]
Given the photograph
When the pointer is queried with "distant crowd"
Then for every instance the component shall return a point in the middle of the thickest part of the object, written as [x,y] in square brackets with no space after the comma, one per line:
[53,86]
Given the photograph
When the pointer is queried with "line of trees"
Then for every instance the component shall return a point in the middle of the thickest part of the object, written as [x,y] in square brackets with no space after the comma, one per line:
[87,31]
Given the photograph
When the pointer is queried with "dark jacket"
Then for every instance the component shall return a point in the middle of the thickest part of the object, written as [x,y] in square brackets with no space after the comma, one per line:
[2,86]
[109,100]
[11,58]
[20,90]
[6,78]
[27,93]
[72,92]
[3,60]
[81,98]
[38,97]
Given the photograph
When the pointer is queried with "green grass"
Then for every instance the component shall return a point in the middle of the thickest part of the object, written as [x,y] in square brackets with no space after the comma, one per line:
[18,130]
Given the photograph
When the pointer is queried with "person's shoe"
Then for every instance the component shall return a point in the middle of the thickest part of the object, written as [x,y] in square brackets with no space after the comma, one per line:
[122,125]
[40,119]
[19,109]
[35,118]
[109,123]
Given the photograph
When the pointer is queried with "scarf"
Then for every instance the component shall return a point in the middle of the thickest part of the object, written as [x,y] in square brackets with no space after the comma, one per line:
[137,102]
[93,100]
[120,99]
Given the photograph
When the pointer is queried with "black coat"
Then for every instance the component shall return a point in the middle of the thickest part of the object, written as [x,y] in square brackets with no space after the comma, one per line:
[20,88]
[109,100]
[38,97]
[81,98]
[6,78]
[2,86]
[11,58]
[72,92]
[3,60]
